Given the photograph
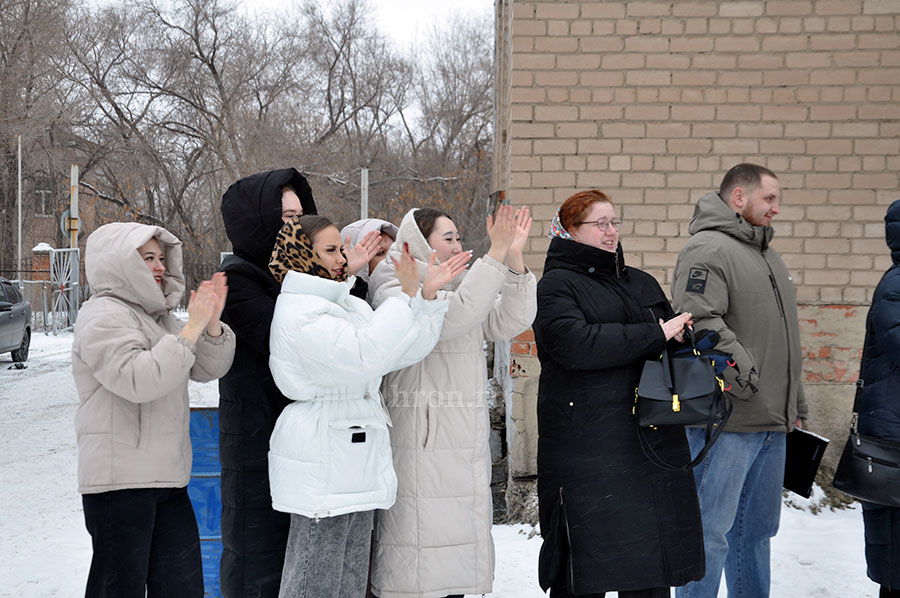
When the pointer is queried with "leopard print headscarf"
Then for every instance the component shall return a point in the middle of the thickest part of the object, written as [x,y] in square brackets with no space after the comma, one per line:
[294,251]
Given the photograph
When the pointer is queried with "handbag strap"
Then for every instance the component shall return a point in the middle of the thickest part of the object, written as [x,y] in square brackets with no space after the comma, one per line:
[714,427]
[668,377]
[667,370]
[689,334]
[666,361]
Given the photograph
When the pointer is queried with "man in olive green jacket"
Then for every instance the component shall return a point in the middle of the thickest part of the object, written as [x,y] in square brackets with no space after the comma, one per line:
[732,282]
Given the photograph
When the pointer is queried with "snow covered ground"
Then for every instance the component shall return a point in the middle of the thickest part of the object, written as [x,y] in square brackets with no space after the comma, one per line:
[45,550]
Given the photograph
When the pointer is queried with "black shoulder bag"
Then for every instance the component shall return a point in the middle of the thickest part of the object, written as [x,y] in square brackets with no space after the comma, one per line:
[869,468]
[680,391]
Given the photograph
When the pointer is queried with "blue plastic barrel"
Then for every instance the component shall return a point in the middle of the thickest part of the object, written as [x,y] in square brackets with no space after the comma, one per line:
[205,492]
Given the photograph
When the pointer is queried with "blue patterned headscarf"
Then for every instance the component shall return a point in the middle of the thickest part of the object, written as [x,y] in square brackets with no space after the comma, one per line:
[558,230]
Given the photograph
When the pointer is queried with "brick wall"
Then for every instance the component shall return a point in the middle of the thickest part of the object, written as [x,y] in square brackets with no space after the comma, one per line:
[652,102]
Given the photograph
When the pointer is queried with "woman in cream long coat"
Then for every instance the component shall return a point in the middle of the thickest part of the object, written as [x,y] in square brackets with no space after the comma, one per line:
[436,539]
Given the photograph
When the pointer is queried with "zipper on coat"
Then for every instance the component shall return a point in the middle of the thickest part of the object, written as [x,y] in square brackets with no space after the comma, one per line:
[777,294]
[569,566]
[787,332]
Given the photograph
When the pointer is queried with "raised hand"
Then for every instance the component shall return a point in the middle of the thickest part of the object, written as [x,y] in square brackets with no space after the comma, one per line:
[407,272]
[201,307]
[523,228]
[360,254]
[220,293]
[674,328]
[437,276]
[502,231]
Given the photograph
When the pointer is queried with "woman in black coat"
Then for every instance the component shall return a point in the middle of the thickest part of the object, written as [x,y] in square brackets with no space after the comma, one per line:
[879,408]
[253,534]
[611,520]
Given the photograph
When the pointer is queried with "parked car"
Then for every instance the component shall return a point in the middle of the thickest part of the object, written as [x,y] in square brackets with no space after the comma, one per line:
[15,321]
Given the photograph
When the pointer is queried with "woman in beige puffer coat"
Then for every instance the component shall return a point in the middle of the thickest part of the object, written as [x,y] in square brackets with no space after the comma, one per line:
[436,539]
[131,360]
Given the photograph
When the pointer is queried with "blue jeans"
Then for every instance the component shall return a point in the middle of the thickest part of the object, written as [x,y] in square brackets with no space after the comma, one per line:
[739,487]
[328,557]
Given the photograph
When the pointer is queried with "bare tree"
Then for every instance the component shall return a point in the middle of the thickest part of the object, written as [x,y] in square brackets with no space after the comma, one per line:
[30,32]
[164,103]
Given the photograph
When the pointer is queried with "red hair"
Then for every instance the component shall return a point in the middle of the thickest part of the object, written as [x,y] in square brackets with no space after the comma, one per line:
[576,207]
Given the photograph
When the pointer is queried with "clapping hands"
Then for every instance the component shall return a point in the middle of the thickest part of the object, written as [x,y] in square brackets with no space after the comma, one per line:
[502,232]
[523,228]
[407,271]
[439,275]
[360,254]
[436,275]
[509,234]
[205,308]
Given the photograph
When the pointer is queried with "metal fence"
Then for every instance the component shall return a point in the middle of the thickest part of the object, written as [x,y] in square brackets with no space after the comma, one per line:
[55,302]
[49,313]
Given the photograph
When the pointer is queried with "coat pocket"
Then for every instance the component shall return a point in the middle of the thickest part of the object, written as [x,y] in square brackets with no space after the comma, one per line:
[430,427]
[145,420]
[357,453]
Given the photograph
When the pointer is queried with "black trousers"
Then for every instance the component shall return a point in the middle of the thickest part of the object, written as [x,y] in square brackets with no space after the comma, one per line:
[144,540]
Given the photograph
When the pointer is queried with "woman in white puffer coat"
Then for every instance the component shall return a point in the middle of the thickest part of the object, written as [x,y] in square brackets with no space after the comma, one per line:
[330,456]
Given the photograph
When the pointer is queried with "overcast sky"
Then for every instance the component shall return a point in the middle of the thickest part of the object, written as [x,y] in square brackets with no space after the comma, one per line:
[403,20]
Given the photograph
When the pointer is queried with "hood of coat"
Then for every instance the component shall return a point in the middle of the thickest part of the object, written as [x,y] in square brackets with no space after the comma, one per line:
[711,213]
[359,229]
[251,209]
[114,268]
[892,230]
[409,232]
[584,259]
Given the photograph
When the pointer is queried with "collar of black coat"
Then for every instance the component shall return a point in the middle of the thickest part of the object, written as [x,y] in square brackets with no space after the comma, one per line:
[892,230]
[585,259]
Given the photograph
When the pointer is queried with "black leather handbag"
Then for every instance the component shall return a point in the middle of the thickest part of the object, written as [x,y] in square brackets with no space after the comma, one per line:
[681,391]
[869,468]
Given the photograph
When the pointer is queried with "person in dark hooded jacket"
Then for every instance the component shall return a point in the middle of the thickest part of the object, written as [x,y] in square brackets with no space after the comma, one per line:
[879,408]
[611,520]
[254,535]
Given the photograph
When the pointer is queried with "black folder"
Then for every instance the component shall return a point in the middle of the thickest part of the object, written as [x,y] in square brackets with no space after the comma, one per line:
[804,453]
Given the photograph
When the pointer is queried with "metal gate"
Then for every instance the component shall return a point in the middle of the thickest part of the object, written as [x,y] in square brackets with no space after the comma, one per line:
[64,269]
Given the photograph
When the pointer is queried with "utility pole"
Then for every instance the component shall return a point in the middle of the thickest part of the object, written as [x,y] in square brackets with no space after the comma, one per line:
[364,193]
[72,221]
[19,194]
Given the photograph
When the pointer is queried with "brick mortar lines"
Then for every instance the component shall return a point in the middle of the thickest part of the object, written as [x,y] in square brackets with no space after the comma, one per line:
[633,161]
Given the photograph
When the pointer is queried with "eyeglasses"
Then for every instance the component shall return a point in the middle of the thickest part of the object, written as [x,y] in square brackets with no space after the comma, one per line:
[616,223]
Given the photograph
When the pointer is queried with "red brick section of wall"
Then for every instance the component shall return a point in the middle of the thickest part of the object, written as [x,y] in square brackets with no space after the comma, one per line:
[522,350]
[40,266]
